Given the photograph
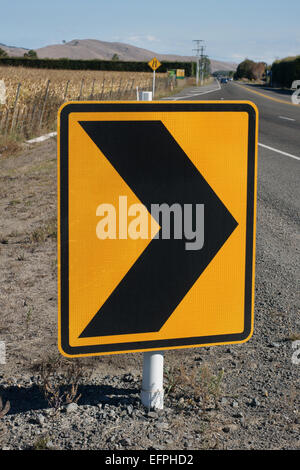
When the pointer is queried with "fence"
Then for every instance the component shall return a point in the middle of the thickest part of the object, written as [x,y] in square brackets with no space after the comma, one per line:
[28,118]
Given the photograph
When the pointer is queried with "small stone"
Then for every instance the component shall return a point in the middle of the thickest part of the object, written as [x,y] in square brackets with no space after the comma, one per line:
[162,426]
[238,415]
[235,404]
[41,419]
[125,442]
[152,414]
[230,428]
[71,407]
[129,409]
[128,378]
[224,401]
[254,402]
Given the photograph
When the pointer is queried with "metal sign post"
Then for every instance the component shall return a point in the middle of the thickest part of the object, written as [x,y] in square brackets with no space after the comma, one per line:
[154,64]
[153,84]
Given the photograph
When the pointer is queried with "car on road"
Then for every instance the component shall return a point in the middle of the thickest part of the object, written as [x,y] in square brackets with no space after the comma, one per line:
[224,80]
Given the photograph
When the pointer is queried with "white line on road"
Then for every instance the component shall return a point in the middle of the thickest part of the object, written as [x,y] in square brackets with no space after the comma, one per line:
[195,94]
[279,151]
[286,118]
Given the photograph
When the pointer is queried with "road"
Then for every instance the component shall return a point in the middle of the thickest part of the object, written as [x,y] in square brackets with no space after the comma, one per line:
[277,260]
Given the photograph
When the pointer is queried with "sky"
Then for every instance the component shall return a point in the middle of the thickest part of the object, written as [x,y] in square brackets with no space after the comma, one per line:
[261,30]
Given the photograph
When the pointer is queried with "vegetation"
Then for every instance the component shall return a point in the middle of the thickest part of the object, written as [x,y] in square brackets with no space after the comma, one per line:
[3,53]
[33,96]
[285,71]
[31,54]
[59,381]
[198,386]
[95,64]
[251,70]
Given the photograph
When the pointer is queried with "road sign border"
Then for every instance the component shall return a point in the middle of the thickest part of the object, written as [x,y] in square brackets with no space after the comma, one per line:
[63,224]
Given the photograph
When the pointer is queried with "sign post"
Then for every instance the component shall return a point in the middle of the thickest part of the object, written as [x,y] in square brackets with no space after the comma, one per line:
[156,227]
[154,64]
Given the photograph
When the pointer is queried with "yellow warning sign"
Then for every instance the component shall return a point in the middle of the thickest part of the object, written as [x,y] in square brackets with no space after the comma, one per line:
[156,225]
[154,64]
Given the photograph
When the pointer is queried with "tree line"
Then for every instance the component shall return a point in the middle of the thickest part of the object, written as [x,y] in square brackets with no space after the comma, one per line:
[281,73]
[30,59]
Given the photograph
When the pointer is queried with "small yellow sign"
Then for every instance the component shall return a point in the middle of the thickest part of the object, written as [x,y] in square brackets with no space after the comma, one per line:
[180,73]
[154,64]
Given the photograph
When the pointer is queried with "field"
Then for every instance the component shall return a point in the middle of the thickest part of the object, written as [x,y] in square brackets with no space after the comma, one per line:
[34,95]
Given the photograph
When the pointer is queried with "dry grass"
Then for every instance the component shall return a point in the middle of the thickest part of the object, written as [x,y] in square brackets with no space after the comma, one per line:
[66,85]
[196,386]
[33,96]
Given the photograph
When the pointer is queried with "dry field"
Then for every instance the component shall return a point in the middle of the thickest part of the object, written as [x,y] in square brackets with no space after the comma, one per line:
[34,95]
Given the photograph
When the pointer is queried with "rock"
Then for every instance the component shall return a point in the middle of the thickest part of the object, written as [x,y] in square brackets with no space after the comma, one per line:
[41,419]
[235,404]
[230,428]
[224,401]
[125,442]
[254,402]
[71,407]
[238,415]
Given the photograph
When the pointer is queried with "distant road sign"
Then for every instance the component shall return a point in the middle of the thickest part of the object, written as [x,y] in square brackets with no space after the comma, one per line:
[156,225]
[154,64]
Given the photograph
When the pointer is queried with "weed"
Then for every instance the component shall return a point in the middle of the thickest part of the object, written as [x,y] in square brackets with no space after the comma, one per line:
[49,230]
[4,409]
[59,381]
[28,318]
[41,443]
[195,386]
[294,336]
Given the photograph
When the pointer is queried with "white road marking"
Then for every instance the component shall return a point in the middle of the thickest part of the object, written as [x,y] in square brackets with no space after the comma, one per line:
[279,151]
[286,118]
[194,93]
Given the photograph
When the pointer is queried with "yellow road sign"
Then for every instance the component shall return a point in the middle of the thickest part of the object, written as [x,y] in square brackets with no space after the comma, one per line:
[156,225]
[154,64]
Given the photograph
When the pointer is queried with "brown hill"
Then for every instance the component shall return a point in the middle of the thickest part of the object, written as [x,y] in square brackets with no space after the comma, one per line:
[94,49]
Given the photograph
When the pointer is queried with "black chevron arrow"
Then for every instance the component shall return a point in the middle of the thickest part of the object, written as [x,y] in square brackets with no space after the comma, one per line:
[158,171]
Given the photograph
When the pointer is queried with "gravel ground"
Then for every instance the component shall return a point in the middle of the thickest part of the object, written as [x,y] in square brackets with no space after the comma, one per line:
[227,397]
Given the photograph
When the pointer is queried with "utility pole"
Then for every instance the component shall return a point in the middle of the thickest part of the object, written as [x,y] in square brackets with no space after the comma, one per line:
[202,64]
[199,48]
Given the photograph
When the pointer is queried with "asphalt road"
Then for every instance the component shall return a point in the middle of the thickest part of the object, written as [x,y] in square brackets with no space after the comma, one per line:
[278,199]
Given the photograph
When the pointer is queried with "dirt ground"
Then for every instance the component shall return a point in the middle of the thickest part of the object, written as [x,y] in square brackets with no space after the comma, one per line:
[250,392]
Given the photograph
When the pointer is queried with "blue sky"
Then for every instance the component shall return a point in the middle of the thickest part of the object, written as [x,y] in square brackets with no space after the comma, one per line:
[232,29]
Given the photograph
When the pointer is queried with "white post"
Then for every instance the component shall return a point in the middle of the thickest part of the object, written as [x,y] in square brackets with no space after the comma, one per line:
[153,84]
[152,394]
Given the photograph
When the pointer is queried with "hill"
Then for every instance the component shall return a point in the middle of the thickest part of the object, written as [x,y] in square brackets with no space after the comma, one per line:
[94,49]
